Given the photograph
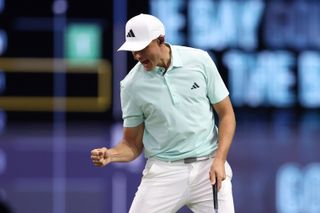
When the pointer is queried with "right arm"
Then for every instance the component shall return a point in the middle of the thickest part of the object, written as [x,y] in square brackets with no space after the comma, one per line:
[128,149]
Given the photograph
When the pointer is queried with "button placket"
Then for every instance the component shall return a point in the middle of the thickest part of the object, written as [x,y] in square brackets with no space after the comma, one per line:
[171,89]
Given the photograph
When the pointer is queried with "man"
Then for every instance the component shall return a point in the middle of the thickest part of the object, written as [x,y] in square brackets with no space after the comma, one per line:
[167,101]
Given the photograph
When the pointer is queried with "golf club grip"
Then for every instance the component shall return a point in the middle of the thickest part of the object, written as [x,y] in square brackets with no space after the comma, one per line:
[215,195]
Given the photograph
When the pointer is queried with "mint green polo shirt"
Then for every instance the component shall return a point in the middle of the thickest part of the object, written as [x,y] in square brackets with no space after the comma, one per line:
[176,107]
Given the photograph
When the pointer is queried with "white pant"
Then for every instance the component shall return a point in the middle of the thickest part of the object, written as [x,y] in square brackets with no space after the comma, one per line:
[167,186]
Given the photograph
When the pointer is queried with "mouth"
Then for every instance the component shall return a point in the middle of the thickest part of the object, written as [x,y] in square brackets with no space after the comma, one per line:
[144,62]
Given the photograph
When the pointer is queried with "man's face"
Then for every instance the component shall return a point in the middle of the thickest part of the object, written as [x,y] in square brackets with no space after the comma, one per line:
[149,57]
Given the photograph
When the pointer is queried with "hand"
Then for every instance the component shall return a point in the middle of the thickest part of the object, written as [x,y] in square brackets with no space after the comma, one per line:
[217,172]
[100,157]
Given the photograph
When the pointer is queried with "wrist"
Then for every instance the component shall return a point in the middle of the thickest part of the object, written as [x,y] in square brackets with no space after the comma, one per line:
[220,157]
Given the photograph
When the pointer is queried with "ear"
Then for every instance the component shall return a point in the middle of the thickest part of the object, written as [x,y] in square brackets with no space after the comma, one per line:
[161,39]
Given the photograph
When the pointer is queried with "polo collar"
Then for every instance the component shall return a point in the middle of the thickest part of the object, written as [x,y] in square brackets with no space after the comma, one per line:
[175,57]
[175,61]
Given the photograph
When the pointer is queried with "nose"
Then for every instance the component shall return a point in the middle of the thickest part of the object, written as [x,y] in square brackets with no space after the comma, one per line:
[137,55]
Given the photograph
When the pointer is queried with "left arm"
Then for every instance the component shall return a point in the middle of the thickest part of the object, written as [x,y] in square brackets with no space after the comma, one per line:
[227,126]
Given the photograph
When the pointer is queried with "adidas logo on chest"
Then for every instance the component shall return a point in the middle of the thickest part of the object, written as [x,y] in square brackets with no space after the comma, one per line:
[195,86]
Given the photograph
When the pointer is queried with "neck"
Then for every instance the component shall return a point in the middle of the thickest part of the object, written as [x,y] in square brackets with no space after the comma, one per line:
[166,60]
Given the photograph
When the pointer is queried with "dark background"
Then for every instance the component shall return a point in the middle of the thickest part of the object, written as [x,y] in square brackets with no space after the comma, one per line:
[44,154]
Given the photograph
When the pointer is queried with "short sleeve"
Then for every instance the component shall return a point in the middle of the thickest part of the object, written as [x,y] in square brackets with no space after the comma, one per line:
[216,88]
[131,113]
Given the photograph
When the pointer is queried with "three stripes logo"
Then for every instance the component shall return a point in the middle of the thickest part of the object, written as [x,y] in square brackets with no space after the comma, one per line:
[131,34]
[195,86]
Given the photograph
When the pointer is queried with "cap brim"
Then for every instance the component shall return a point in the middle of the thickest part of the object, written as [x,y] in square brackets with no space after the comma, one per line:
[133,46]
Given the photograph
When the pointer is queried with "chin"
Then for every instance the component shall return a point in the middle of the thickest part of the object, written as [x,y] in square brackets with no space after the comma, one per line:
[148,68]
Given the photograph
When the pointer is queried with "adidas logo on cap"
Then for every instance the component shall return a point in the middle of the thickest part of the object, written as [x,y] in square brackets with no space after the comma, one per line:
[130,34]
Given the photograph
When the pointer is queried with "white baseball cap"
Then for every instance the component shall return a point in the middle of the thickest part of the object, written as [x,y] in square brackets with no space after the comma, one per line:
[140,31]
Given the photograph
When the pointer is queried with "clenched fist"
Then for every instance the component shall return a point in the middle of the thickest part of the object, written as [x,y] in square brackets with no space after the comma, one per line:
[100,157]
